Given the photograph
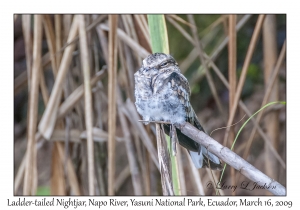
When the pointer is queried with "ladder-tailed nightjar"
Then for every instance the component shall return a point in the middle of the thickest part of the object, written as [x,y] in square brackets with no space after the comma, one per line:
[162,94]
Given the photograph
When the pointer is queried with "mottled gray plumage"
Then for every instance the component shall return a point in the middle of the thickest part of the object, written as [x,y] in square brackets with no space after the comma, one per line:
[162,94]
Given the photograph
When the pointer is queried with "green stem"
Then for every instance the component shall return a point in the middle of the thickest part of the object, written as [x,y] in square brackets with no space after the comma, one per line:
[245,123]
[160,43]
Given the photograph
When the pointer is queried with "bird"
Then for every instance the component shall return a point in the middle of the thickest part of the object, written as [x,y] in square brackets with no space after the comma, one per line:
[162,94]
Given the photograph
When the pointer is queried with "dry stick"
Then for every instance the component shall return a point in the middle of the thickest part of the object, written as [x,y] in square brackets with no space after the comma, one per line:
[51,45]
[129,41]
[21,170]
[271,120]
[145,23]
[128,26]
[182,31]
[208,75]
[195,173]
[52,48]
[201,54]
[244,73]
[98,109]
[241,104]
[50,42]
[134,170]
[26,74]
[139,150]
[232,79]
[206,38]
[94,62]
[96,59]
[76,135]
[112,78]
[96,22]
[60,135]
[225,41]
[135,174]
[220,20]
[30,180]
[103,43]
[20,174]
[58,37]
[88,28]
[275,107]
[98,105]
[21,81]
[139,129]
[249,114]
[212,176]
[71,172]
[246,110]
[130,61]
[164,161]
[146,166]
[48,120]
[124,174]
[232,59]
[99,135]
[58,179]
[58,33]
[188,60]
[132,31]
[100,174]
[83,168]
[193,55]
[173,142]
[143,27]
[130,67]
[266,97]
[181,172]
[90,42]
[133,117]
[190,39]
[67,20]
[147,179]
[232,159]
[67,124]
[44,89]
[84,54]
[76,95]
[123,79]
[58,167]
[220,47]
[28,45]
[179,19]
[79,108]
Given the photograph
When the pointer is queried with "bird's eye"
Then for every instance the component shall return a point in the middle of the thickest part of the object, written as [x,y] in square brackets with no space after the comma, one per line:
[164,64]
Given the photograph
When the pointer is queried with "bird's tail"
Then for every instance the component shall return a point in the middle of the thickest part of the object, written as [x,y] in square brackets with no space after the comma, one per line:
[204,158]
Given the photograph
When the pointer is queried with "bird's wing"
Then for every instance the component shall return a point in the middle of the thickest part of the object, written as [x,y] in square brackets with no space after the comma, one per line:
[199,154]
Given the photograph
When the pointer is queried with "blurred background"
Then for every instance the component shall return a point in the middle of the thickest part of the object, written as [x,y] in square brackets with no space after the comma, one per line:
[73,80]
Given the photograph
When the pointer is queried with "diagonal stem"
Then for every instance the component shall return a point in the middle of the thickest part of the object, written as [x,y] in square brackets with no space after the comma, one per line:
[244,73]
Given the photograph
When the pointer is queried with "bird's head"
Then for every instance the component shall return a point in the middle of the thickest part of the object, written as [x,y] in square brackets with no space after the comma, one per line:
[158,63]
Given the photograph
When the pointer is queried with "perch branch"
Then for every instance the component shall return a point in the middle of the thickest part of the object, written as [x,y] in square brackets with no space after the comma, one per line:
[232,159]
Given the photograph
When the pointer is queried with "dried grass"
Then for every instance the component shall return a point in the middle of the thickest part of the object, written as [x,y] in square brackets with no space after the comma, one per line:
[95,140]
